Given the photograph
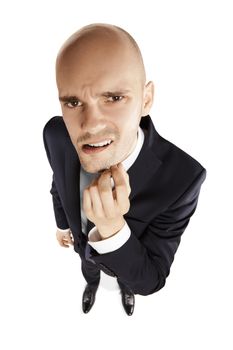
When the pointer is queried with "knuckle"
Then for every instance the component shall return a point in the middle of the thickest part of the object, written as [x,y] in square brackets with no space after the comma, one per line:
[104,183]
[104,189]
[104,175]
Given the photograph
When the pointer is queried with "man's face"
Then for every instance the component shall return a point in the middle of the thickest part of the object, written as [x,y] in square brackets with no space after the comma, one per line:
[101,102]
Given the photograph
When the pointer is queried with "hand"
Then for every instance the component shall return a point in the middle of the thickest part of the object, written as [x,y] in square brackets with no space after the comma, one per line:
[104,207]
[65,238]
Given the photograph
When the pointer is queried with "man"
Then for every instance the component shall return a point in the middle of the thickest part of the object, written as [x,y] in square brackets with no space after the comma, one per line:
[122,194]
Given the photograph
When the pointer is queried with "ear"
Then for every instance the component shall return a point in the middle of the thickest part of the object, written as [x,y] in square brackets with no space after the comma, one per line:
[148,98]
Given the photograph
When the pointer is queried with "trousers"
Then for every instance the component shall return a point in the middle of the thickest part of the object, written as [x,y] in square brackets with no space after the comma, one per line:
[91,271]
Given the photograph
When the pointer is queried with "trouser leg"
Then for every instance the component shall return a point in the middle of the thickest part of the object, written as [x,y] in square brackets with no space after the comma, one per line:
[90,272]
[123,285]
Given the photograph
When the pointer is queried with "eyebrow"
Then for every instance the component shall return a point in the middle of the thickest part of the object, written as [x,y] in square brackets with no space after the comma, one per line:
[68,98]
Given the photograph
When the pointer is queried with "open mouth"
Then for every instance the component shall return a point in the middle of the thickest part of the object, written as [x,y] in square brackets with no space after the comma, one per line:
[95,149]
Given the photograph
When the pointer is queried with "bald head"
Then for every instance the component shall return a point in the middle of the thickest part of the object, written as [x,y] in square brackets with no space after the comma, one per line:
[100,43]
[101,83]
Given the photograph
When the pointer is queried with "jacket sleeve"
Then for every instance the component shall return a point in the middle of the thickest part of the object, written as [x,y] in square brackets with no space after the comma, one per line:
[59,213]
[143,263]
[60,216]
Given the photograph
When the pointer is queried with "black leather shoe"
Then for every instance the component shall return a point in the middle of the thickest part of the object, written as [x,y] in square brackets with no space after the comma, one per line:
[128,300]
[88,298]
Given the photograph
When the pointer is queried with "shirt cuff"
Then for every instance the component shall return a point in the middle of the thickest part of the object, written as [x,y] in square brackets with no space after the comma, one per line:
[110,244]
[63,230]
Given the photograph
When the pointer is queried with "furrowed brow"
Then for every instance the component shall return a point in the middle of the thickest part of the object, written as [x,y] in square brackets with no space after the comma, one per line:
[115,93]
[68,98]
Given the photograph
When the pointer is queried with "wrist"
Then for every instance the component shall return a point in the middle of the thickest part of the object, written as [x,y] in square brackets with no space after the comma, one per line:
[107,233]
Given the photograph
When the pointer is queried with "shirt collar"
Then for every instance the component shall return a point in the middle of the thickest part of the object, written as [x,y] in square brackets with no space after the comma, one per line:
[128,162]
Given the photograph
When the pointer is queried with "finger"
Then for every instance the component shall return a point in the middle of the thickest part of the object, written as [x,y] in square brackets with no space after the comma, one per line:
[95,199]
[66,242]
[119,167]
[62,244]
[106,194]
[68,238]
[121,188]
[126,176]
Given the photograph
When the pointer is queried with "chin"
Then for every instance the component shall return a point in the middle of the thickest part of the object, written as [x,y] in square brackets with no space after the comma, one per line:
[88,169]
[91,168]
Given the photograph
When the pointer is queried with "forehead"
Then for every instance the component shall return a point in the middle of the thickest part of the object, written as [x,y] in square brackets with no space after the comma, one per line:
[98,78]
[99,65]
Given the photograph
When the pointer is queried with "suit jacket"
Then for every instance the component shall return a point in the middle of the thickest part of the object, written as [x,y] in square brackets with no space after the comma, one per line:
[165,184]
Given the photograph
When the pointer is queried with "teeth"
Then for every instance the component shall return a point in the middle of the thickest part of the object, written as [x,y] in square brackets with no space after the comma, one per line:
[107,142]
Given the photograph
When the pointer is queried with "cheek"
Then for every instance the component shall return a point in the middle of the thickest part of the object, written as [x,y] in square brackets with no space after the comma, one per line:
[129,120]
[128,131]
[128,113]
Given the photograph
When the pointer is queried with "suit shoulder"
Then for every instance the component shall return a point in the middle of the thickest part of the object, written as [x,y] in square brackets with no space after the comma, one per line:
[54,125]
[180,168]
[174,155]
[55,135]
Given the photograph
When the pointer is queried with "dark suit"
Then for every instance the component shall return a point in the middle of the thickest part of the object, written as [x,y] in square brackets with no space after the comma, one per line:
[165,184]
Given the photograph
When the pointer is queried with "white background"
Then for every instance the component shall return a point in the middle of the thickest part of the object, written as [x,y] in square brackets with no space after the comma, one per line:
[188,53]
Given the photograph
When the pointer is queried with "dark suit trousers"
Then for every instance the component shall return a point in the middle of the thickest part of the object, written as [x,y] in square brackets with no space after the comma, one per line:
[91,271]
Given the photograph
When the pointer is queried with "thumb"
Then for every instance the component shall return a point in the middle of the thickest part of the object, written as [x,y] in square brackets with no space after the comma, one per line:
[69,238]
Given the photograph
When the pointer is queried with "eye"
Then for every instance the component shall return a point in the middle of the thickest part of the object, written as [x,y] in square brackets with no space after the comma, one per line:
[73,104]
[114,98]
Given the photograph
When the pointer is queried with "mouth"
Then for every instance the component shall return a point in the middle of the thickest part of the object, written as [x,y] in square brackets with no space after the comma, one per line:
[88,149]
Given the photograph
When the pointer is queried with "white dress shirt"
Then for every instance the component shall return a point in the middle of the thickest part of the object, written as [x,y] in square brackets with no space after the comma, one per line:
[116,241]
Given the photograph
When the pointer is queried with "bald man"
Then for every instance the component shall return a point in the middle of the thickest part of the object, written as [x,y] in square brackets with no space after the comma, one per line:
[122,194]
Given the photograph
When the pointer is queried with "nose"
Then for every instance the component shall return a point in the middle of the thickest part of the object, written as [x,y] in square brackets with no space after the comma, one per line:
[92,120]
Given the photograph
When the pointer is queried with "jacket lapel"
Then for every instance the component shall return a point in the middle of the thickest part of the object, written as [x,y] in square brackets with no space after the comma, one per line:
[147,162]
